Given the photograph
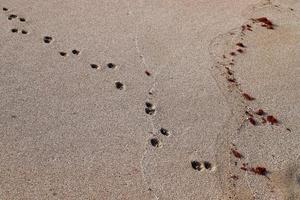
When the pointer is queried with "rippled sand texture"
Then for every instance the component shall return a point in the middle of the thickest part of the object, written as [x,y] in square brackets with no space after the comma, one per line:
[149,100]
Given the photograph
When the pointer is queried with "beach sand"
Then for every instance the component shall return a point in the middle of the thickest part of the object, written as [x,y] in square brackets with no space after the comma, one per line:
[179,100]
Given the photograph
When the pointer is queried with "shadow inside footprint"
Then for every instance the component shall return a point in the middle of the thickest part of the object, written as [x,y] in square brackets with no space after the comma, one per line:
[12,16]
[164,132]
[111,65]
[119,85]
[47,39]
[14,30]
[63,53]
[75,52]
[155,142]
[24,32]
[94,66]
[196,165]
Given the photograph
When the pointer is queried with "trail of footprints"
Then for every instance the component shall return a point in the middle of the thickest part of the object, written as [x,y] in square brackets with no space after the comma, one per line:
[150,108]
[13,17]
[49,39]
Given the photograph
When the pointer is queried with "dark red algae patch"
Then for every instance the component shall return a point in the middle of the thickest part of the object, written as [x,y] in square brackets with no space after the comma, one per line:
[244,168]
[236,153]
[248,97]
[235,177]
[265,22]
[271,119]
[252,121]
[259,170]
[260,112]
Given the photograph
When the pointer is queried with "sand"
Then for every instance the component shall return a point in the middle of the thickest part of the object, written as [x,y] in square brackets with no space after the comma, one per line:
[174,116]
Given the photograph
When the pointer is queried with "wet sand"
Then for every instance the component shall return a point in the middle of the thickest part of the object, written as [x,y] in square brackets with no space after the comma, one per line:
[179,99]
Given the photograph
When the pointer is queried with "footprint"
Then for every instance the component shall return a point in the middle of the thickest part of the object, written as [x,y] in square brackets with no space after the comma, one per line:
[47,39]
[75,52]
[164,132]
[155,142]
[24,32]
[196,165]
[111,65]
[14,30]
[119,85]
[5,9]
[94,66]
[150,108]
[200,166]
[12,16]
[63,53]
[22,19]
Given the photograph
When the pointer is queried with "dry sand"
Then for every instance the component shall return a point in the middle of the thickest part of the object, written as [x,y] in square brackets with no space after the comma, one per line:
[67,131]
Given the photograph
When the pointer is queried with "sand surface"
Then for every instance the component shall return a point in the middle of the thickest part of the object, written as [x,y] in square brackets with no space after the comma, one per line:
[174,116]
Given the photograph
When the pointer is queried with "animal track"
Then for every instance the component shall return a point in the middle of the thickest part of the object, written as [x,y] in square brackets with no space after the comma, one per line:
[164,131]
[22,19]
[111,65]
[196,165]
[94,66]
[47,39]
[24,32]
[75,52]
[12,16]
[200,166]
[63,53]
[119,85]
[150,109]
[155,142]
[14,30]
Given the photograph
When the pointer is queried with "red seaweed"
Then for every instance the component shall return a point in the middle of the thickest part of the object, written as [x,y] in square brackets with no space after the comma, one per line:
[236,153]
[271,119]
[244,168]
[265,22]
[259,170]
[260,112]
[252,121]
[248,97]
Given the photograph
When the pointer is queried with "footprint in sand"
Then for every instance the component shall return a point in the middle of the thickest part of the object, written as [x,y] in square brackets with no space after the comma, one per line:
[201,166]
[150,108]
[155,142]
[75,52]
[119,85]
[47,39]
[12,16]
